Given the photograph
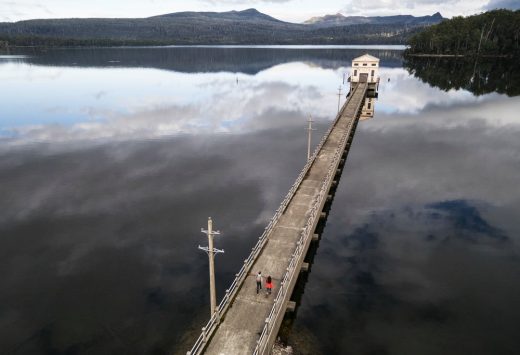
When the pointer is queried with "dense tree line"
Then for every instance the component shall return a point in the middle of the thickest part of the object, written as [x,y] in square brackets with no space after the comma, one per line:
[357,34]
[38,41]
[494,33]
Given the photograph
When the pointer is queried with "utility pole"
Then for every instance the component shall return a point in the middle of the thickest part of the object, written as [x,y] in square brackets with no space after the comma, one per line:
[310,129]
[339,96]
[211,254]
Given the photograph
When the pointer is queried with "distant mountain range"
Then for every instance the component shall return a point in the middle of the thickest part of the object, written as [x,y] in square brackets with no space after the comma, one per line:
[340,20]
[233,27]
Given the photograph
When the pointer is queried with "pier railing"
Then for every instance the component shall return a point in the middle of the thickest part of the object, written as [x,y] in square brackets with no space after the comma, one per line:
[211,326]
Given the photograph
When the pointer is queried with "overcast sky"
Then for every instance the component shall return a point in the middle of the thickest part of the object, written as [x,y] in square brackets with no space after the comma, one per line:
[288,10]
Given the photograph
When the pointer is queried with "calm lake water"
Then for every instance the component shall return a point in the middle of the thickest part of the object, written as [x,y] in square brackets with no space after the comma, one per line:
[111,160]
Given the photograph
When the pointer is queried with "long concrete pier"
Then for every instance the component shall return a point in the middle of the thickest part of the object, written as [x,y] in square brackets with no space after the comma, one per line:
[246,322]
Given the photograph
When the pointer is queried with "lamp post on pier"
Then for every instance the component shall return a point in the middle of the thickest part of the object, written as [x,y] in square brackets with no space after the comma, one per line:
[211,255]
[310,129]
[339,96]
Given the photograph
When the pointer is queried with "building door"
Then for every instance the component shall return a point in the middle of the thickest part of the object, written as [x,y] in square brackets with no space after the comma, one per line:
[363,78]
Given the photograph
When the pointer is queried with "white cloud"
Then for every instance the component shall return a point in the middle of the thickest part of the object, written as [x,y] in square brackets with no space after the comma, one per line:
[288,10]
[503,4]
[448,8]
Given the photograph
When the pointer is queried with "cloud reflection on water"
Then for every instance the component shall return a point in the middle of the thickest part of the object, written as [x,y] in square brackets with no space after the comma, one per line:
[218,103]
[187,104]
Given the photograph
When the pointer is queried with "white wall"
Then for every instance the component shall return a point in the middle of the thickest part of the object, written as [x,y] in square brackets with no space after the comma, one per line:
[365,67]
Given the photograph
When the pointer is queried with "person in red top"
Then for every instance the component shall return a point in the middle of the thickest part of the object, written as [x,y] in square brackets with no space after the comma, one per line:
[269,284]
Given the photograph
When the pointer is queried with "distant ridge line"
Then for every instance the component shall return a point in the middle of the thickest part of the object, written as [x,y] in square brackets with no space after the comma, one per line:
[246,27]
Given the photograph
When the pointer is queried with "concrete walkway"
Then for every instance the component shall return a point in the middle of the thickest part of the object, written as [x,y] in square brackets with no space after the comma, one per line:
[243,322]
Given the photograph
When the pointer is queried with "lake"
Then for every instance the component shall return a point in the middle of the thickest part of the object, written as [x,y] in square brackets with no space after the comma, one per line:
[112,159]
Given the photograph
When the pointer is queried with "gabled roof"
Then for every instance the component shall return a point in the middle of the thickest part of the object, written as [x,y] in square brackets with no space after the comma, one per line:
[366,58]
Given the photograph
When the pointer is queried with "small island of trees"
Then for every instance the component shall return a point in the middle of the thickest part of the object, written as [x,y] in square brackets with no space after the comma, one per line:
[494,34]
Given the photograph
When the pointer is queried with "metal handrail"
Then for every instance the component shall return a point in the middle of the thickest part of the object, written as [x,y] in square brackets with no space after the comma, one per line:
[209,329]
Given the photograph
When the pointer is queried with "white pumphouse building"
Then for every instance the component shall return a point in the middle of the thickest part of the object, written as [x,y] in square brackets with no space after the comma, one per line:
[365,69]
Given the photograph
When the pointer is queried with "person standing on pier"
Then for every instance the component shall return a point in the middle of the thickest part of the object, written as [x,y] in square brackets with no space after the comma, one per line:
[269,284]
[259,280]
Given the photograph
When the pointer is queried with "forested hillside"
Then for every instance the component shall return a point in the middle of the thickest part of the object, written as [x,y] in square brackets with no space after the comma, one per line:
[185,28]
[494,33]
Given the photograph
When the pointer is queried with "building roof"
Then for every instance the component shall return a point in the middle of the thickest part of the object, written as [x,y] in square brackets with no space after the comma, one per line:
[366,58]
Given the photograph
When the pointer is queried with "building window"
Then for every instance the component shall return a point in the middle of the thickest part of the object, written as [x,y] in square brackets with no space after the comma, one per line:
[356,64]
[369,105]
[372,73]
[364,64]
[373,64]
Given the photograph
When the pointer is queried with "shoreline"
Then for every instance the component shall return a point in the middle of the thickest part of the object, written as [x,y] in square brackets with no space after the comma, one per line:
[425,55]
[295,46]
